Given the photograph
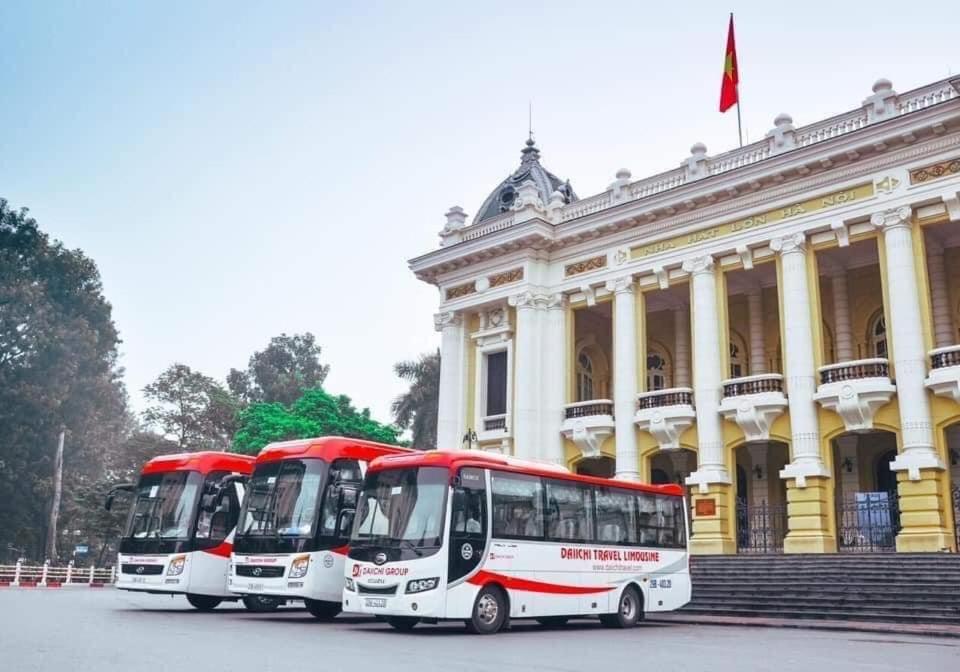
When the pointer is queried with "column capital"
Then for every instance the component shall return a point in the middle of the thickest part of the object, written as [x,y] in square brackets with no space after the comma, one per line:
[892,218]
[788,244]
[698,265]
[622,285]
[537,300]
[557,301]
[447,319]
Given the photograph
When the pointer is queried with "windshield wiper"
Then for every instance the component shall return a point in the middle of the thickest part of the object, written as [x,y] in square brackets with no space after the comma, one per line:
[406,543]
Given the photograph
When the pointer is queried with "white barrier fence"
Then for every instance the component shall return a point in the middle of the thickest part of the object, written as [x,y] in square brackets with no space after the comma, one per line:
[49,576]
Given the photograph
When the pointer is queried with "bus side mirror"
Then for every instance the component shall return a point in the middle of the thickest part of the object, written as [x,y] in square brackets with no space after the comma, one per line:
[112,493]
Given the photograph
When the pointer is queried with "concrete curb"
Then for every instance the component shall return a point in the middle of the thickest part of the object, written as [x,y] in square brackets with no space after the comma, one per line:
[927,630]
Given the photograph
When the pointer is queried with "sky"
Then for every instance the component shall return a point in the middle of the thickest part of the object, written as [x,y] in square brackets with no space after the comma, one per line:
[239,170]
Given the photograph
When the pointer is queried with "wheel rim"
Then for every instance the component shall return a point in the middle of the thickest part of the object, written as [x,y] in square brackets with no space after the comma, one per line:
[487,609]
[628,606]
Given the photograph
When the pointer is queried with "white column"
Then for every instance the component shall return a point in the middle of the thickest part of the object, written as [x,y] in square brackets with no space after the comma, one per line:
[909,355]
[625,376]
[707,373]
[554,377]
[939,299]
[450,413]
[842,333]
[526,374]
[758,350]
[800,368]
[681,358]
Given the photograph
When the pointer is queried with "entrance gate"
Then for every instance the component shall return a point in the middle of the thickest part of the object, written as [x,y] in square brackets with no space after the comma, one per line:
[760,527]
[868,522]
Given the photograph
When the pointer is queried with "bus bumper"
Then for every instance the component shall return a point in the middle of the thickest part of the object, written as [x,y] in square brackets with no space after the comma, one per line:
[322,581]
[151,574]
[428,604]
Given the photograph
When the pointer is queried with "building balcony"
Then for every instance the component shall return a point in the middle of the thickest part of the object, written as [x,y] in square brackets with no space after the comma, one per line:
[855,391]
[492,423]
[588,424]
[666,414]
[944,378]
[754,402]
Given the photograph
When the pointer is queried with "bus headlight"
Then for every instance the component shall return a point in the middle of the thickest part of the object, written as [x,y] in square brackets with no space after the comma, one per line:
[351,586]
[299,567]
[420,585]
[177,565]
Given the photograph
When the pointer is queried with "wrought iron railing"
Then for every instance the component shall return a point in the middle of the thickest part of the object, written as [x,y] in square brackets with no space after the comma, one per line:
[584,409]
[491,423]
[761,528]
[941,358]
[674,396]
[956,512]
[868,522]
[760,384]
[856,370]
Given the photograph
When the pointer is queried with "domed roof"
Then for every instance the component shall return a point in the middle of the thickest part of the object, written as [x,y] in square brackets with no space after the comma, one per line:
[502,198]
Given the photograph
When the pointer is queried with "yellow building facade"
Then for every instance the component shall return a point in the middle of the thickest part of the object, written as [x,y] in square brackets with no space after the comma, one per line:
[777,327]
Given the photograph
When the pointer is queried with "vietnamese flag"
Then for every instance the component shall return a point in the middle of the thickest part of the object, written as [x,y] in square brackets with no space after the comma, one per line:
[731,74]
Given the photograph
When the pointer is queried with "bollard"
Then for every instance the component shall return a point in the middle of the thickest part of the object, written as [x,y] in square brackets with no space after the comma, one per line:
[69,572]
[90,578]
[43,575]
[16,573]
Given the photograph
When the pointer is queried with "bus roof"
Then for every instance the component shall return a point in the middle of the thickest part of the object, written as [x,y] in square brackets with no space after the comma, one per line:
[327,448]
[454,459]
[204,462]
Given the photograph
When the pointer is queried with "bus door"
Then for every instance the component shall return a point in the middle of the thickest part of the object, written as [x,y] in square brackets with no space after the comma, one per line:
[468,523]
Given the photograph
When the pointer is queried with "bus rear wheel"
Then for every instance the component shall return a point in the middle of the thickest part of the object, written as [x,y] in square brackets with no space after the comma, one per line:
[553,621]
[203,602]
[489,611]
[403,623]
[629,610]
[260,603]
[324,611]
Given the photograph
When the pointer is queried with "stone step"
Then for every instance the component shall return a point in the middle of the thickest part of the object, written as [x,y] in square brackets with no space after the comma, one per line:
[833,614]
[904,592]
[826,605]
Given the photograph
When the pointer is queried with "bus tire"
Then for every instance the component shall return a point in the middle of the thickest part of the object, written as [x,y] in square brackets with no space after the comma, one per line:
[553,621]
[324,611]
[203,602]
[261,603]
[403,623]
[629,610]
[490,611]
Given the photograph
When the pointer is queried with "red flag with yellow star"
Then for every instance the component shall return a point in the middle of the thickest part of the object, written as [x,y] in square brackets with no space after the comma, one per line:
[731,74]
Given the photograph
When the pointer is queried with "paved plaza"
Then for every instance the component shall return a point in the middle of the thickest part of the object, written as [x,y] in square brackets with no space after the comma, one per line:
[107,630]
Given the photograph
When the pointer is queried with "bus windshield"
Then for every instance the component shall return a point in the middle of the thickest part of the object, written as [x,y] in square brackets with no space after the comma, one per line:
[402,507]
[165,506]
[282,498]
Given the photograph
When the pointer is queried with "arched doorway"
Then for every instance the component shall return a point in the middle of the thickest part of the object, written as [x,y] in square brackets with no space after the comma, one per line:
[603,466]
[953,464]
[868,518]
[761,496]
[672,466]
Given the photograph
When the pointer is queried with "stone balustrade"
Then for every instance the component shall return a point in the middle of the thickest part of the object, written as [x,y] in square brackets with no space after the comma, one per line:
[855,370]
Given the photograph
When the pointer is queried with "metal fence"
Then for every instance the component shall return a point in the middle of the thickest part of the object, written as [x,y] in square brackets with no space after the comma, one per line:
[868,522]
[761,527]
[22,574]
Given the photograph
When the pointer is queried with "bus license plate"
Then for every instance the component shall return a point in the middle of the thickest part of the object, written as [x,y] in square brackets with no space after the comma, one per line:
[375,602]
[255,586]
[139,579]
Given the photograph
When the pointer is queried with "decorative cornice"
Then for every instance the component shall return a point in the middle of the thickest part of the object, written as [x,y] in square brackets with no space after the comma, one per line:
[461,290]
[935,171]
[585,266]
[698,265]
[446,319]
[505,278]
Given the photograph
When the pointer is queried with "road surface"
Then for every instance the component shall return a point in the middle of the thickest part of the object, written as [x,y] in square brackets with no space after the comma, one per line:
[108,630]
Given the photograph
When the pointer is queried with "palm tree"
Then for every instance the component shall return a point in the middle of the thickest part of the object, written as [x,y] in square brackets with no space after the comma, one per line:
[416,409]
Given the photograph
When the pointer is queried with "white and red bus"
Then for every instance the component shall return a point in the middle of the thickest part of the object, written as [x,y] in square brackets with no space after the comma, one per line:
[296,520]
[180,529]
[482,538]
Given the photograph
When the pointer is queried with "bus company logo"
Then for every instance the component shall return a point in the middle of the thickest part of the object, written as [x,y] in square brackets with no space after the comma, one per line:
[140,569]
[466,551]
[328,561]
[378,571]
[605,555]
[380,558]
[257,571]
[355,571]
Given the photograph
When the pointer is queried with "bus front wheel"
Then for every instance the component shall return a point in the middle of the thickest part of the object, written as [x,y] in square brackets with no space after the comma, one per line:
[260,603]
[203,602]
[489,611]
[324,611]
[403,623]
[629,610]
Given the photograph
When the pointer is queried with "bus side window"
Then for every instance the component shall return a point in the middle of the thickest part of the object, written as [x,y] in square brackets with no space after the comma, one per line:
[469,510]
[517,506]
[340,498]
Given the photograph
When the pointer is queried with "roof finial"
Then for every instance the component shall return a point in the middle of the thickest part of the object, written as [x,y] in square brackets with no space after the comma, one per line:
[529,122]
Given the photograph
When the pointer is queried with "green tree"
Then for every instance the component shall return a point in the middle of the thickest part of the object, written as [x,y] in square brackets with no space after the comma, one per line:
[416,409]
[191,408]
[58,371]
[316,413]
[281,372]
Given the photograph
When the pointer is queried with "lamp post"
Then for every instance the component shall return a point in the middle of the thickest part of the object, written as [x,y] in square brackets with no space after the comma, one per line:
[469,439]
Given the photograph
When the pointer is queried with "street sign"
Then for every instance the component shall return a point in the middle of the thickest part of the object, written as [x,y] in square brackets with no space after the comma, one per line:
[81,549]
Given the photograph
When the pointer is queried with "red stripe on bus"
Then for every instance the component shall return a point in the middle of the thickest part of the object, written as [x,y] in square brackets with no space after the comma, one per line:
[513,583]
[223,550]
[340,550]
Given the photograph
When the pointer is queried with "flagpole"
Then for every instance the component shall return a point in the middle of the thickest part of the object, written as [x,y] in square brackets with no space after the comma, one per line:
[739,125]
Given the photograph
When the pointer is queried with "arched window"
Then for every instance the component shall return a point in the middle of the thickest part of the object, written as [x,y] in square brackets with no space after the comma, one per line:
[657,371]
[737,365]
[584,377]
[877,336]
